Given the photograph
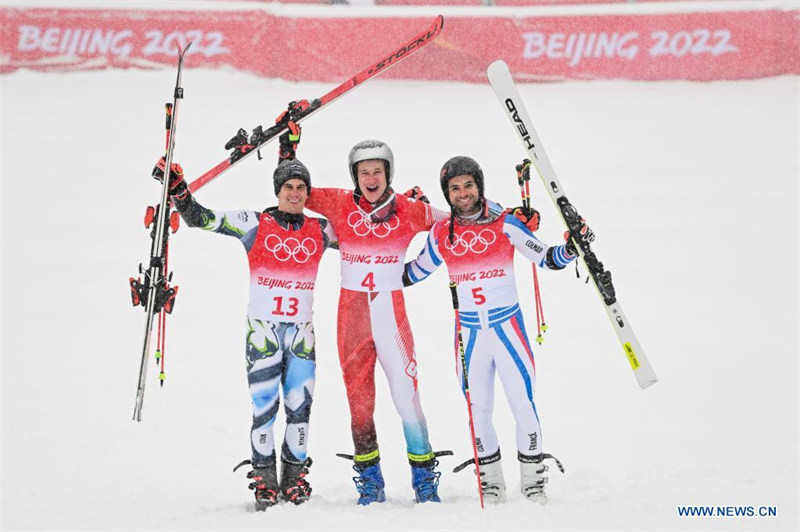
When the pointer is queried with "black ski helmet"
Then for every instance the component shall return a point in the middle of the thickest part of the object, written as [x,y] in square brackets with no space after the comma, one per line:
[290,169]
[460,165]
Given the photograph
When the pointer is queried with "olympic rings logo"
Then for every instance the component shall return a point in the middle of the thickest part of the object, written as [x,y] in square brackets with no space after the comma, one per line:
[291,248]
[470,241]
[363,227]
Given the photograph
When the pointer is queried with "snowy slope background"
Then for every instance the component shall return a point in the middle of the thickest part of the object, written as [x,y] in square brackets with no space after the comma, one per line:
[691,188]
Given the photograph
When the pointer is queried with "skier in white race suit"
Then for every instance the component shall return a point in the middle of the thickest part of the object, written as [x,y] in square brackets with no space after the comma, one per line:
[477,243]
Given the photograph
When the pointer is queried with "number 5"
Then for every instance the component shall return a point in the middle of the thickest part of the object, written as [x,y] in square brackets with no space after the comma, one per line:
[480,299]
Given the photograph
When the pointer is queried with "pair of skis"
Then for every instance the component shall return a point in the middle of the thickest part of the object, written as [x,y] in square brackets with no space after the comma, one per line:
[154,293]
[503,85]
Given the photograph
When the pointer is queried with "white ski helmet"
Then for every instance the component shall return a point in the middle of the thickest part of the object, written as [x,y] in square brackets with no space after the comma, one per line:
[367,150]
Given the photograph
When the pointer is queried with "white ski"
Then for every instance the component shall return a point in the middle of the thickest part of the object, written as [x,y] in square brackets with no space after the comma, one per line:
[503,85]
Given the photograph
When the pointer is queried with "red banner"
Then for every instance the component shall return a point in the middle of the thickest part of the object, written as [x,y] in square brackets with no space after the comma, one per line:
[61,39]
[694,46]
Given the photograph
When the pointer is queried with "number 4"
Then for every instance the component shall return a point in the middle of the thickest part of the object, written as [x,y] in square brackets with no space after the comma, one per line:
[369,282]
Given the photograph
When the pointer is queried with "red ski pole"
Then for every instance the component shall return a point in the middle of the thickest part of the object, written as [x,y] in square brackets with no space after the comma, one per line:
[465,379]
[524,181]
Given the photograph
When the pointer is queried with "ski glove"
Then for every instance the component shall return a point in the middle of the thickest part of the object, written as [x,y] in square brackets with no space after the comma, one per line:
[293,112]
[289,141]
[530,217]
[586,235]
[175,174]
[417,194]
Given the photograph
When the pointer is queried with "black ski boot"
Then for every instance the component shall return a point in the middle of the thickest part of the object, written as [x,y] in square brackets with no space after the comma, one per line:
[265,484]
[294,486]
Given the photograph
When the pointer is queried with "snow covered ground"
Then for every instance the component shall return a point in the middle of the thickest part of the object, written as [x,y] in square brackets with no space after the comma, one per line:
[692,190]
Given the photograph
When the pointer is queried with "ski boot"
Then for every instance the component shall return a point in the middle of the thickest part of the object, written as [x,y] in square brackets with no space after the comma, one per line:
[493,485]
[265,484]
[369,484]
[533,469]
[425,481]
[294,487]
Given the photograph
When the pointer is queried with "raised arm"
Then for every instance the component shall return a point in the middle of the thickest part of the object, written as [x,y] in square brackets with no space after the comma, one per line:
[544,256]
[232,223]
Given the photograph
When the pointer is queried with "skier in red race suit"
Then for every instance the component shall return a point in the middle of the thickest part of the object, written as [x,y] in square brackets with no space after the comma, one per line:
[374,226]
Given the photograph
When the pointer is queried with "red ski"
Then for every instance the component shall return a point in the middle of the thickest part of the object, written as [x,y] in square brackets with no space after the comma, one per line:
[244,147]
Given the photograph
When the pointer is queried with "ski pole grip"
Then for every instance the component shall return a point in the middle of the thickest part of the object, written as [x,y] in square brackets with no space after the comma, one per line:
[454,295]
[168,109]
[168,124]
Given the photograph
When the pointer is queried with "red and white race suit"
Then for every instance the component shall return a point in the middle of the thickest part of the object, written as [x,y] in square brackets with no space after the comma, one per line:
[372,322]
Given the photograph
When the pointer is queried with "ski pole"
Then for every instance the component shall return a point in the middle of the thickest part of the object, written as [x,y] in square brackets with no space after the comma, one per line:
[162,331]
[465,379]
[524,181]
[542,324]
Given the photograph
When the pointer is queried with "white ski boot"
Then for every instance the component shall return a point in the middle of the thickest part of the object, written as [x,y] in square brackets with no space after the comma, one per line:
[533,469]
[493,485]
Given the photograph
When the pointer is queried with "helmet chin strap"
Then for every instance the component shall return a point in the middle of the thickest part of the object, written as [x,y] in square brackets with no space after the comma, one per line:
[381,210]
